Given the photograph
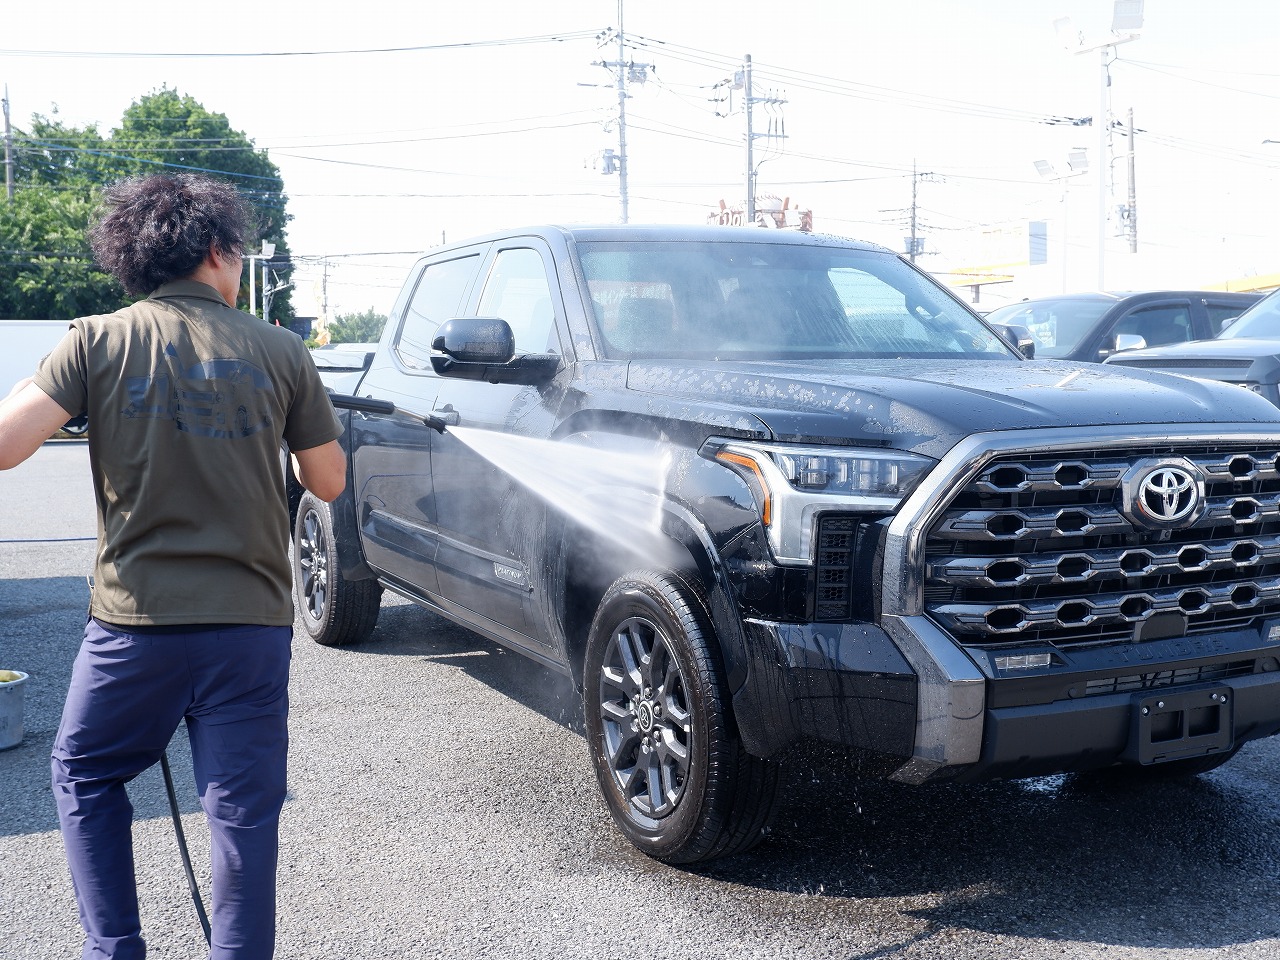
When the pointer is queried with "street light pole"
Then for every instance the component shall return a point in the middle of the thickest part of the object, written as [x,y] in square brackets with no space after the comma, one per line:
[1127,16]
[1077,165]
[268,251]
[1102,121]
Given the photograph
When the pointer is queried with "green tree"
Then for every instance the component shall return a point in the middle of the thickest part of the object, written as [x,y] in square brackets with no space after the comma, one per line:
[66,158]
[46,269]
[166,130]
[46,266]
[357,327]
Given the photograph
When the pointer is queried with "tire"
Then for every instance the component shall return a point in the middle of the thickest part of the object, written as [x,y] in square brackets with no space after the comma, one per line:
[334,611]
[673,772]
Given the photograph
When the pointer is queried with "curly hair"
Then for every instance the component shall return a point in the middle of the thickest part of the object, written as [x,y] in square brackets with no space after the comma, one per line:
[151,230]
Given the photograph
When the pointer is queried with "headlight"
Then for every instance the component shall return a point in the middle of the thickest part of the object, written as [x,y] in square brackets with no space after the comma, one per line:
[793,483]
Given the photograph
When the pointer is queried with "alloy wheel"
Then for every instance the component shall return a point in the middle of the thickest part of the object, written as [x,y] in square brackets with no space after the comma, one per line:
[645,717]
[313,564]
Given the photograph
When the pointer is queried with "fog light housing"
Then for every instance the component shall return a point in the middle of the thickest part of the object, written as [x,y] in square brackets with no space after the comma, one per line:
[1023,661]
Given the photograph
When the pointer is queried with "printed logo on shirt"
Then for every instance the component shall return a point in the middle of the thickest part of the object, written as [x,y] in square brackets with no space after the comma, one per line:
[226,398]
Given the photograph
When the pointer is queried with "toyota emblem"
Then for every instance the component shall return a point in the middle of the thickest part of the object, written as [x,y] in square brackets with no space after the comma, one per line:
[1163,494]
[1168,494]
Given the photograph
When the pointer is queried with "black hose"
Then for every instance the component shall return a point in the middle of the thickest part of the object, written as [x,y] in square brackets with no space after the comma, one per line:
[182,847]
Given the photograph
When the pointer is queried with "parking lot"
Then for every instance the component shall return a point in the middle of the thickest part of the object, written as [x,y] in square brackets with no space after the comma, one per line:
[442,804]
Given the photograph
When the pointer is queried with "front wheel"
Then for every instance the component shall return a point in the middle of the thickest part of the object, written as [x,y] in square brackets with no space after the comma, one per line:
[673,772]
[334,611]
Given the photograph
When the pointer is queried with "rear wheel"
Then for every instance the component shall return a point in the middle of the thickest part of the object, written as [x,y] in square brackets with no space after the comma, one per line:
[334,611]
[673,772]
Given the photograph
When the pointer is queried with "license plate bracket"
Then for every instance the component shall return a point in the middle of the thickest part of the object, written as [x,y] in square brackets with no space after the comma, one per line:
[1186,723]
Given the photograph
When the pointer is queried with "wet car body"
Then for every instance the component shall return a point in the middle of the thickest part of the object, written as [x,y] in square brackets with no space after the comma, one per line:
[850,514]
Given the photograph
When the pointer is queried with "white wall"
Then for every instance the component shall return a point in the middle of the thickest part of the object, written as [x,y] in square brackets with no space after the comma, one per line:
[23,344]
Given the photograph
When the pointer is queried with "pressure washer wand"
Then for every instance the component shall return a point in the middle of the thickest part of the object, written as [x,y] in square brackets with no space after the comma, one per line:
[182,848]
[385,408]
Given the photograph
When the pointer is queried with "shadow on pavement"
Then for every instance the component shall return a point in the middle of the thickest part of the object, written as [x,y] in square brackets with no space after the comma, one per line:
[1180,864]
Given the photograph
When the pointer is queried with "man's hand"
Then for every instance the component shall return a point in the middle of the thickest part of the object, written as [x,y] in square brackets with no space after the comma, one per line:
[28,417]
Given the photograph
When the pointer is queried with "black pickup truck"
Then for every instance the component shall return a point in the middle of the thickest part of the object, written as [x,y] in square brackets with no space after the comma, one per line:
[751,488]
[1246,352]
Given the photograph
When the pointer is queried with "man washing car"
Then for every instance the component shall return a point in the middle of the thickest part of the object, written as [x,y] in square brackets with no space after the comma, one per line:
[191,616]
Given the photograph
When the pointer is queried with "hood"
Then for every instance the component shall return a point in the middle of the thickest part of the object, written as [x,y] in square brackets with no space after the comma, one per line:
[1216,349]
[927,405]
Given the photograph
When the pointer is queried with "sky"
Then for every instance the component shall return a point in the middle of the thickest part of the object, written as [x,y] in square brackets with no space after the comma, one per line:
[400,125]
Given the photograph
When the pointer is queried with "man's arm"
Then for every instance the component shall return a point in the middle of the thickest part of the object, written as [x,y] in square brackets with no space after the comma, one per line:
[322,469]
[29,417]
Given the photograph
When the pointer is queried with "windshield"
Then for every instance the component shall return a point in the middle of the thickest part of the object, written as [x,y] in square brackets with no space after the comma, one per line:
[1261,321]
[1058,325]
[755,301]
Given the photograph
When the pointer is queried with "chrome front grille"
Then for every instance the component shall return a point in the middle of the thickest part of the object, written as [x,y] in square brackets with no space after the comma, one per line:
[1036,548]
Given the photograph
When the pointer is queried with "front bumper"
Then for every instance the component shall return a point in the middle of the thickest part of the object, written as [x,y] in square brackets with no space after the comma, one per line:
[907,691]
[838,683]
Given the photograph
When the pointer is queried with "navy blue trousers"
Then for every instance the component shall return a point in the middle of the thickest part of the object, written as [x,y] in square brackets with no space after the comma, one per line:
[128,693]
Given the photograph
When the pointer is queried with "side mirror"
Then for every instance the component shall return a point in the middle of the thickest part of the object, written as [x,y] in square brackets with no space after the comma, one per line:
[1018,337]
[1127,341]
[484,348]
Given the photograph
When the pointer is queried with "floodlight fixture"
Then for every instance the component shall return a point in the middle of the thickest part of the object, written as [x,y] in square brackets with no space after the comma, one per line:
[1068,35]
[1126,16]
[1078,160]
[1045,169]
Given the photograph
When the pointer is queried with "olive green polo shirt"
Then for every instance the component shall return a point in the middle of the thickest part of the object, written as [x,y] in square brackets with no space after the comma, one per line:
[188,400]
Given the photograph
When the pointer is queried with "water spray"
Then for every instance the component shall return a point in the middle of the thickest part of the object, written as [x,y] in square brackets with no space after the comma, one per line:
[615,490]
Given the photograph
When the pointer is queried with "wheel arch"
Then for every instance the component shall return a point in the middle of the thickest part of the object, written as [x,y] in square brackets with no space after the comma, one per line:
[589,565]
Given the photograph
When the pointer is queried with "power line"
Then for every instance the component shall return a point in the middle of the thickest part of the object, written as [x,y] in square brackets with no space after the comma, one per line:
[132,159]
[224,54]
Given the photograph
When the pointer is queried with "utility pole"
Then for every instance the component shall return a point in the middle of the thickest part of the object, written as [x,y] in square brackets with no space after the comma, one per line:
[1126,23]
[622,118]
[913,241]
[324,293]
[913,246]
[8,148]
[751,140]
[619,162]
[1102,122]
[1132,219]
[749,101]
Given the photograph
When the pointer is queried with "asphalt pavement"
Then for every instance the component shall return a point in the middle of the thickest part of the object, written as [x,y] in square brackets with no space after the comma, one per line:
[442,804]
